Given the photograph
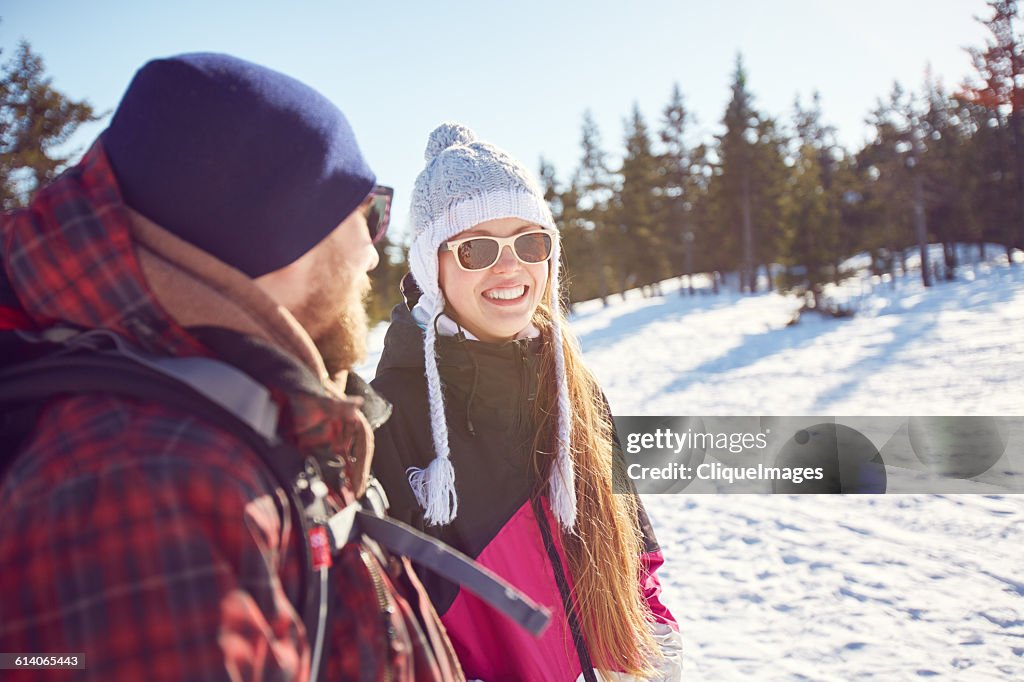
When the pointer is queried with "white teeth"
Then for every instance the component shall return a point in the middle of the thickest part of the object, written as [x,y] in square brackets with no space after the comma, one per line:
[506,294]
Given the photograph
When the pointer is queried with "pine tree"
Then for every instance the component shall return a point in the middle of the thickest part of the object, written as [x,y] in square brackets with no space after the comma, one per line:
[705,252]
[594,177]
[582,280]
[736,153]
[851,181]
[749,180]
[35,120]
[771,173]
[897,191]
[677,186]
[1000,68]
[810,207]
[594,188]
[641,244]
[563,208]
[947,183]
[988,181]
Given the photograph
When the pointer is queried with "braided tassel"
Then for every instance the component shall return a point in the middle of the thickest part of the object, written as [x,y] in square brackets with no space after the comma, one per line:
[434,487]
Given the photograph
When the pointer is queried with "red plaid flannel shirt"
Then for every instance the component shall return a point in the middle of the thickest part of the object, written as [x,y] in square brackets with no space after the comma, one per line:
[138,536]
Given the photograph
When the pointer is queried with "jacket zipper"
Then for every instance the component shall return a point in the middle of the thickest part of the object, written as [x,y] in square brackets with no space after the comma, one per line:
[385,606]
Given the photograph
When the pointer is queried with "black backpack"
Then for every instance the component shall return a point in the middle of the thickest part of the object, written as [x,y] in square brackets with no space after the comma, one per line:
[37,367]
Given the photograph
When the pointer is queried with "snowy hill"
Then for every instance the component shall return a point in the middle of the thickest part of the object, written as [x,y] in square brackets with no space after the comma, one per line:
[887,587]
[950,349]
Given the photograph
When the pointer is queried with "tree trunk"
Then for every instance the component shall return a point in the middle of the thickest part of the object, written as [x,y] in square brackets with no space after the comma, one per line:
[948,260]
[689,267]
[747,278]
[921,229]
[602,278]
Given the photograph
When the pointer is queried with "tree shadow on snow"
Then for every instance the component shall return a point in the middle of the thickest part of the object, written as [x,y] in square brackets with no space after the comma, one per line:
[667,308]
[919,318]
[754,348]
[916,321]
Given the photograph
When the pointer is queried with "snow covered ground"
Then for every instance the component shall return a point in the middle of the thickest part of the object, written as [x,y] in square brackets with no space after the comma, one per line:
[955,348]
[770,587]
[888,587]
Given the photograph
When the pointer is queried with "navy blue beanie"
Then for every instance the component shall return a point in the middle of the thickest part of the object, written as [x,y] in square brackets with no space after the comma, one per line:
[245,163]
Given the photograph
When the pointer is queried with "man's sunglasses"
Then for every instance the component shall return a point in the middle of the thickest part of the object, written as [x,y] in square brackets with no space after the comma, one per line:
[378,213]
[480,253]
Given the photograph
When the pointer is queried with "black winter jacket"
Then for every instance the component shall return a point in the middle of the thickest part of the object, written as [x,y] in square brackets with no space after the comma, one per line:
[489,392]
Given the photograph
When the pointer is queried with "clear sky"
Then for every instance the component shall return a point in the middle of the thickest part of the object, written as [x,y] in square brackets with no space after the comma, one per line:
[519,73]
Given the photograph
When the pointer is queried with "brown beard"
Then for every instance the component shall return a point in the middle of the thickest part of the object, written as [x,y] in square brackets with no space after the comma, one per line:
[334,314]
[343,343]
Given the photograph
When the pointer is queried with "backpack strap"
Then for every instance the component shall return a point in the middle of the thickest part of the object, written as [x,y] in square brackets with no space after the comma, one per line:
[431,553]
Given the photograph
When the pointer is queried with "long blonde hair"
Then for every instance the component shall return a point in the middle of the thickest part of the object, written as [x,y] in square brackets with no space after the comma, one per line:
[604,551]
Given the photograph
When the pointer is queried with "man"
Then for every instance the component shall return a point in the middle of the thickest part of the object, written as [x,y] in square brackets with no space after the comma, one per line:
[225,213]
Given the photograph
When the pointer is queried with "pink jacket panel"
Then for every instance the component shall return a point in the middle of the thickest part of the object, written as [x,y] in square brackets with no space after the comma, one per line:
[493,648]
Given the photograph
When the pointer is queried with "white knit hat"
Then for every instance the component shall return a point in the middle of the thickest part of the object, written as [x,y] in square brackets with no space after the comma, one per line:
[467,182]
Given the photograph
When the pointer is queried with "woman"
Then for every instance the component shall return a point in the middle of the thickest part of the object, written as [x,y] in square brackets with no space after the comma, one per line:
[501,444]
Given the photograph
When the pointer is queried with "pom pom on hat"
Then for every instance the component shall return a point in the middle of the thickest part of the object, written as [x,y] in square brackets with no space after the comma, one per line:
[447,135]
